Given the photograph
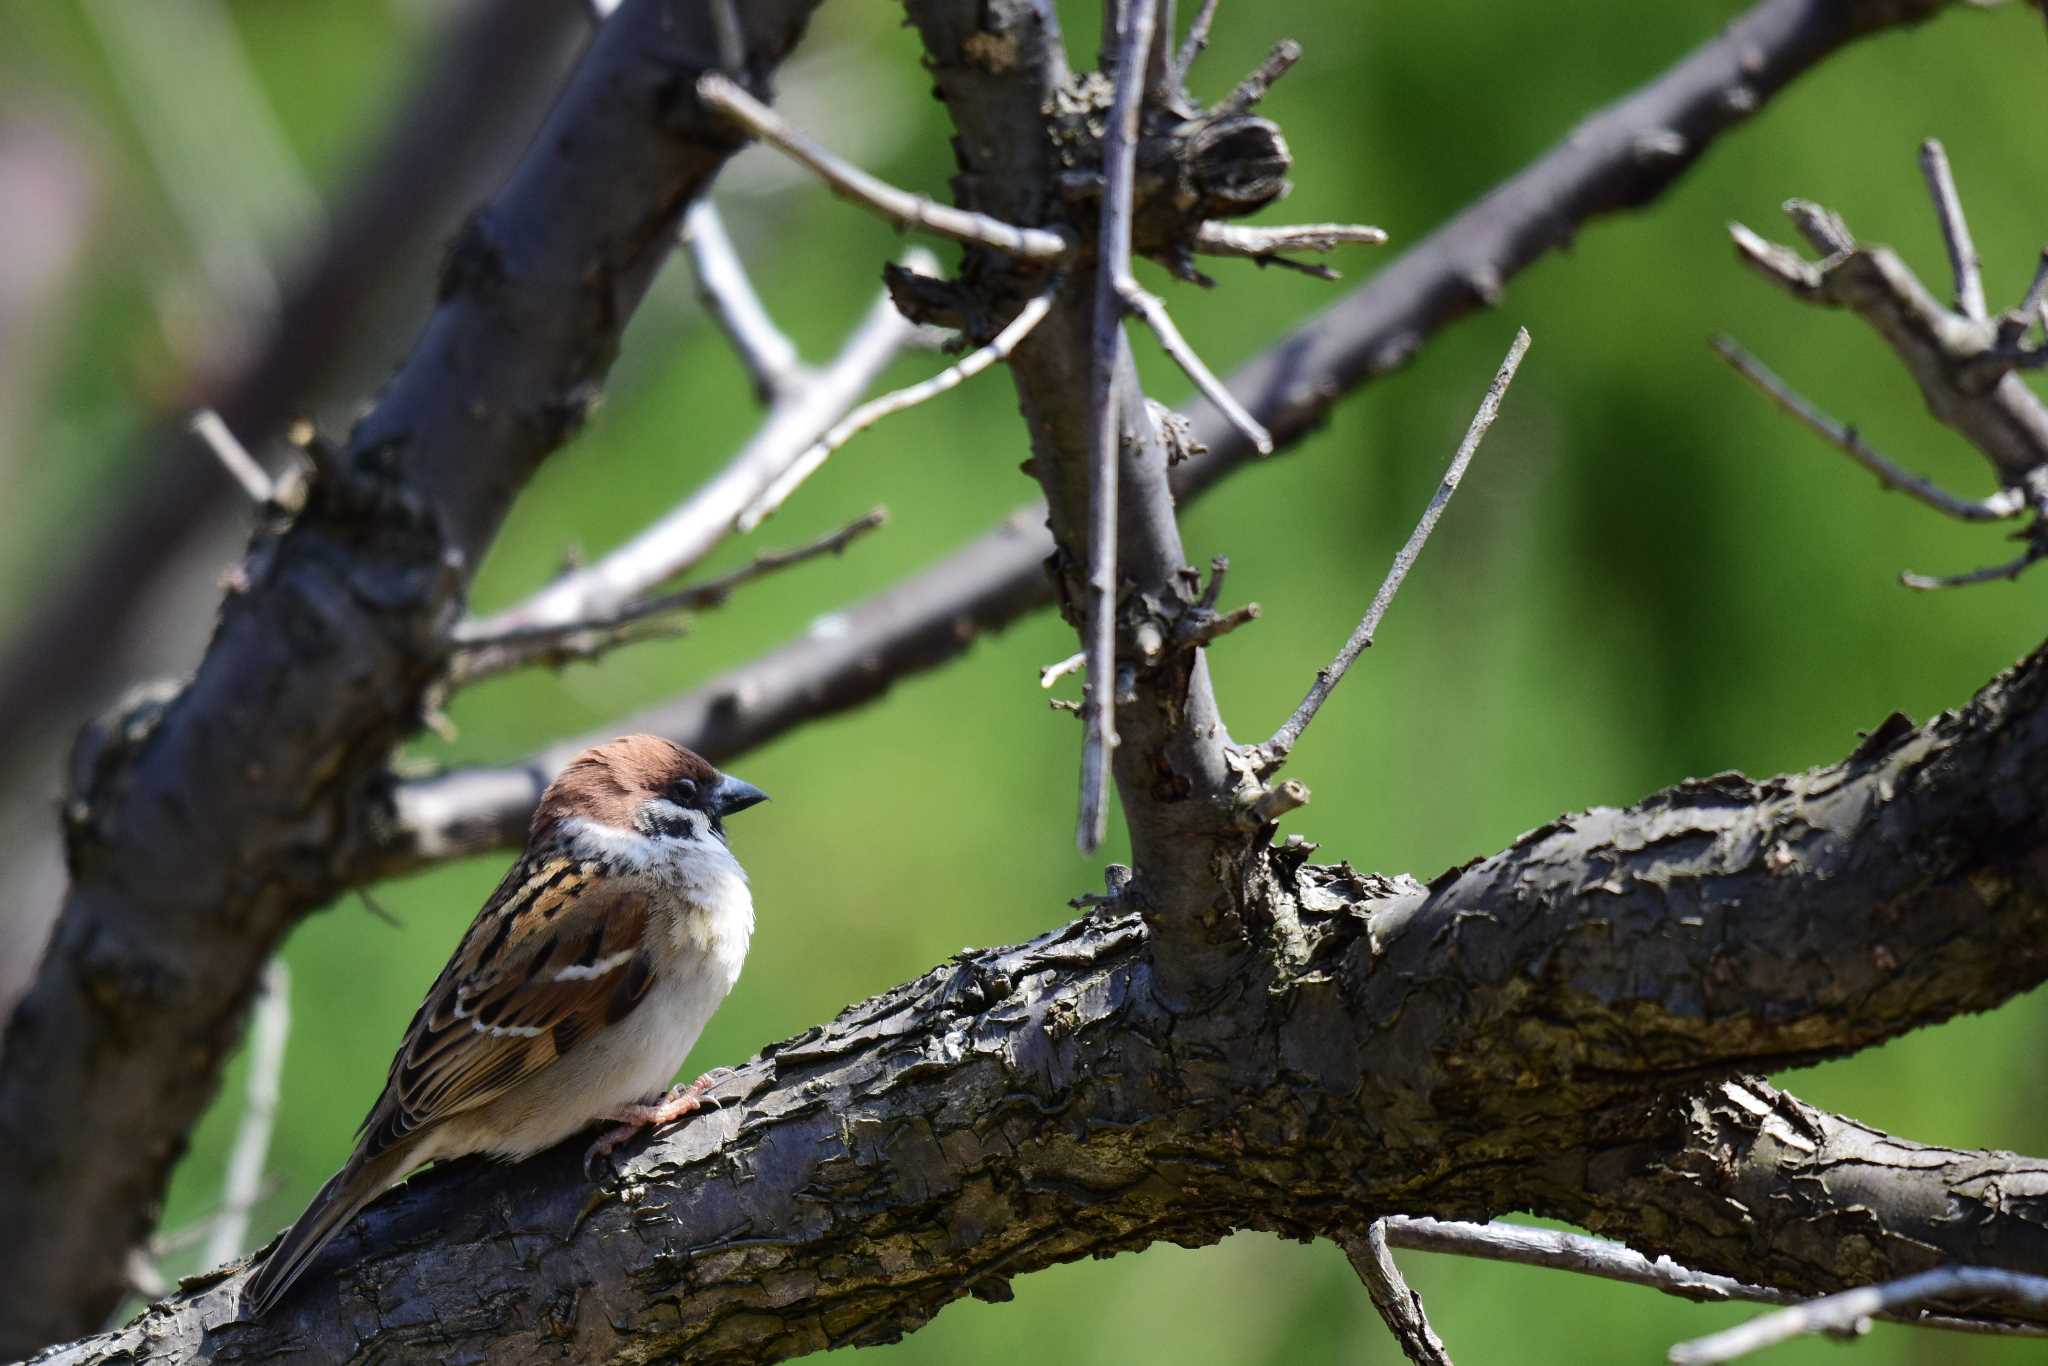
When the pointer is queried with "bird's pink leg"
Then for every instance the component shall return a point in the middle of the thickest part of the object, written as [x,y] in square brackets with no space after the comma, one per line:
[679,1102]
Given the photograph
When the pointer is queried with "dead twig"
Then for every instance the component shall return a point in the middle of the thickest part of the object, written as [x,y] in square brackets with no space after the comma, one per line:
[1999,506]
[1584,1255]
[848,181]
[486,656]
[1135,22]
[873,411]
[269,1028]
[1275,750]
[234,457]
[1963,261]
[1399,1306]
[770,357]
[1850,1311]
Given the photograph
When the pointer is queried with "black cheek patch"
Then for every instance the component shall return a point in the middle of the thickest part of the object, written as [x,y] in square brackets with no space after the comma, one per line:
[660,824]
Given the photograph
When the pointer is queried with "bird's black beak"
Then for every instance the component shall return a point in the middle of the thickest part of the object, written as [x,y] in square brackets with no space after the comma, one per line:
[732,795]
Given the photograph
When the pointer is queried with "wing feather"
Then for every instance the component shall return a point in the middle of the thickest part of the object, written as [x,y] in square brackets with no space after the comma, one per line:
[555,953]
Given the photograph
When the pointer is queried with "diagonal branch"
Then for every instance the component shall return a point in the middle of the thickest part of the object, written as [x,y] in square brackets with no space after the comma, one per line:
[1275,750]
[681,538]
[486,656]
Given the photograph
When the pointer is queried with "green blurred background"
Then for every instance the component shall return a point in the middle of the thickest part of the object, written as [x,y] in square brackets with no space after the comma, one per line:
[1649,575]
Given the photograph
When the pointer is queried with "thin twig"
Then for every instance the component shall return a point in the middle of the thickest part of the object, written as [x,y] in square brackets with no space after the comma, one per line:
[486,656]
[873,411]
[2011,569]
[1192,46]
[770,357]
[243,1185]
[1327,678]
[1152,309]
[681,538]
[1135,22]
[1053,673]
[1999,506]
[848,181]
[1232,239]
[1253,88]
[234,457]
[2034,308]
[1955,230]
[1848,1311]
[1585,1255]
[1400,1307]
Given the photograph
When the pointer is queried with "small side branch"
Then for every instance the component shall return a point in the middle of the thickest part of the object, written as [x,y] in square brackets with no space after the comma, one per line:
[1275,750]
[1585,1255]
[243,1185]
[1136,20]
[1268,246]
[873,411]
[1850,1311]
[1399,1306]
[1999,506]
[234,457]
[486,656]
[848,181]
[770,358]
[1963,261]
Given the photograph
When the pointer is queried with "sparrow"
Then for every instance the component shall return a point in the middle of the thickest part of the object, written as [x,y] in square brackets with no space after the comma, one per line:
[574,996]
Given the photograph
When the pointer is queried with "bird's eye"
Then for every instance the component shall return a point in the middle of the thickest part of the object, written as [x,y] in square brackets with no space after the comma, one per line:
[682,791]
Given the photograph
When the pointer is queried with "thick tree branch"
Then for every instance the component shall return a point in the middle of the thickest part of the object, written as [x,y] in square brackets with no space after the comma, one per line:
[202,824]
[1578,993]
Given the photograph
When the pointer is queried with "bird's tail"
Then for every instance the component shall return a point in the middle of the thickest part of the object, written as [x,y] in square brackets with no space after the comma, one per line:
[344,1195]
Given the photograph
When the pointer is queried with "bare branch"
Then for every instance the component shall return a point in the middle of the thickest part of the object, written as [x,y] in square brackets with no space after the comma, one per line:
[1276,749]
[1962,364]
[770,357]
[1253,88]
[1267,244]
[1135,21]
[1152,309]
[2011,569]
[2006,503]
[850,182]
[680,539]
[1582,1254]
[873,411]
[233,456]
[243,1185]
[1955,230]
[1399,1306]
[1193,45]
[1053,673]
[2031,307]
[487,656]
[1850,1311]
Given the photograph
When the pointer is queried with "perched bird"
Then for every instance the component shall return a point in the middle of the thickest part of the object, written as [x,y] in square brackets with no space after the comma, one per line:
[575,995]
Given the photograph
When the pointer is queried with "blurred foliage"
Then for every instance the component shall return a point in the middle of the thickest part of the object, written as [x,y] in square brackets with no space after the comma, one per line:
[1649,575]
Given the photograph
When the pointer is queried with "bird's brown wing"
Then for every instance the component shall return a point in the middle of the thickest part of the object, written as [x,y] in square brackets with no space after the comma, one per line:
[555,955]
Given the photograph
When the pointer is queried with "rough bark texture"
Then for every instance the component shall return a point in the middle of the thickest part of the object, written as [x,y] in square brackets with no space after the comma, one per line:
[1560,1027]
[203,822]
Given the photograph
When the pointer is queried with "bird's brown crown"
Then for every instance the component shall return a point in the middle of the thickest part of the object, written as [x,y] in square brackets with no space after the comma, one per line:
[609,782]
